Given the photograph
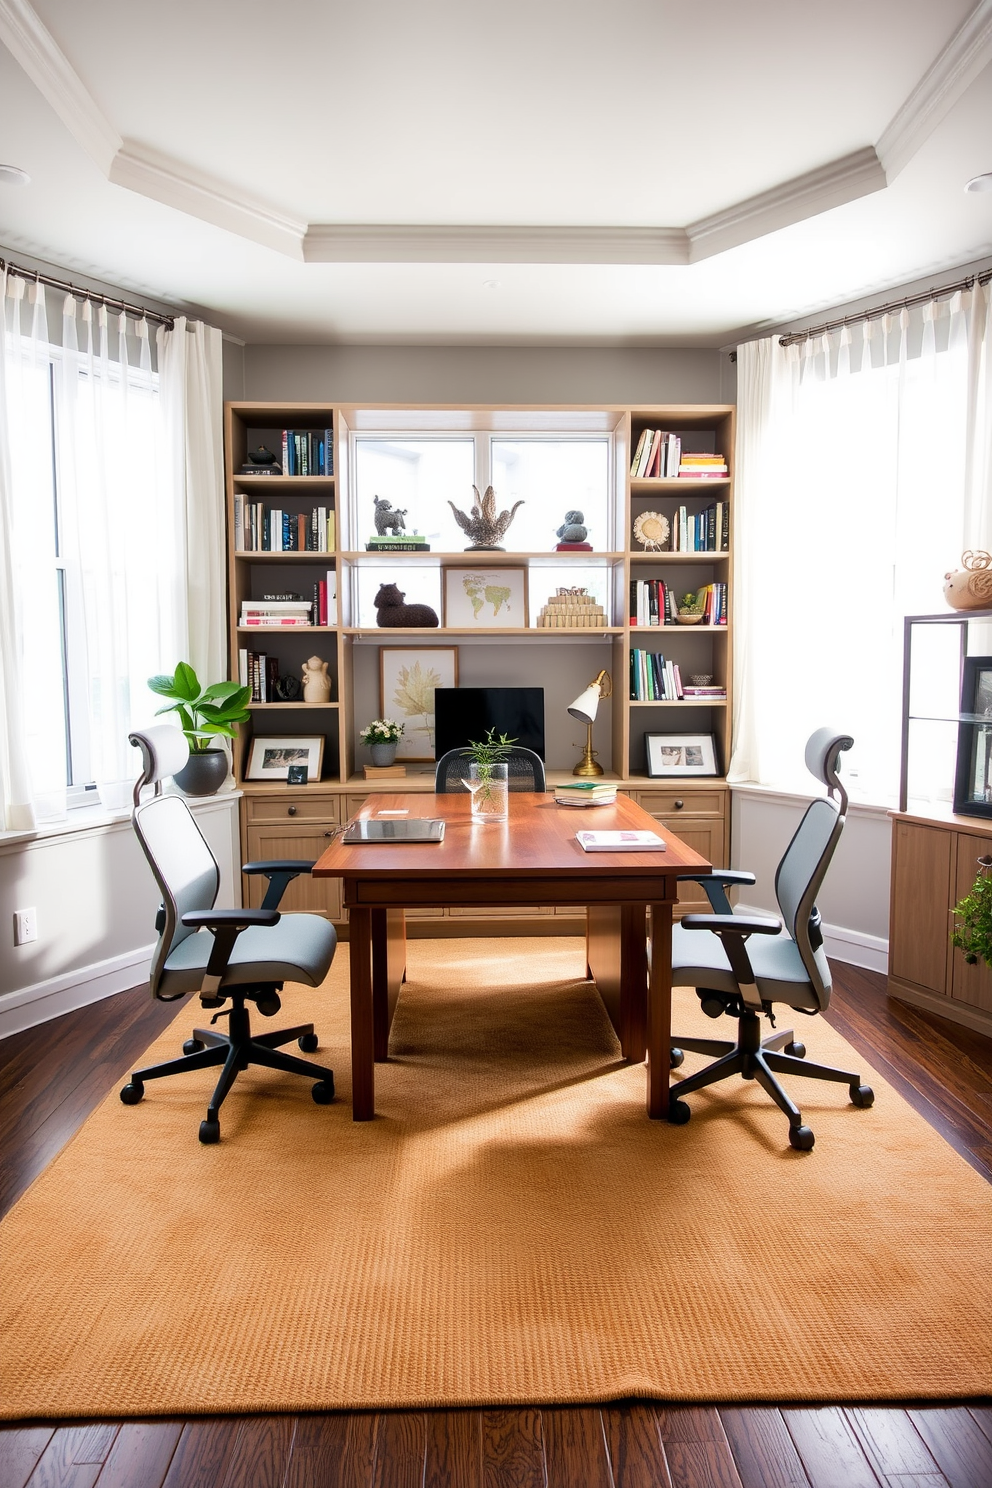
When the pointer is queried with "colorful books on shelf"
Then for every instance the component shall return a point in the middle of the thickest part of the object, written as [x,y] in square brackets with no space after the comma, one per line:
[704,694]
[265,529]
[307,452]
[656,455]
[621,841]
[325,599]
[259,672]
[586,793]
[282,612]
[406,543]
[655,602]
[695,466]
[653,679]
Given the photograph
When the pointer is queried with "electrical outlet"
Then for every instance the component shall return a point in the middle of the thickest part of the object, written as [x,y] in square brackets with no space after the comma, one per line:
[25,926]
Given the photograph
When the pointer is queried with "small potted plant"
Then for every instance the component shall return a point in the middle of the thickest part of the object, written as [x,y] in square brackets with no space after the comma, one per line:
[205,714]
[690,610]
[486,776]
[382,736]
[972,931]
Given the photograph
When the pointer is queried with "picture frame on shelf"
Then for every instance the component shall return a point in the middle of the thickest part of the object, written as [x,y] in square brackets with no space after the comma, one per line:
[680,754]
[973,768]
[408,676]
[271,756]
[485,598]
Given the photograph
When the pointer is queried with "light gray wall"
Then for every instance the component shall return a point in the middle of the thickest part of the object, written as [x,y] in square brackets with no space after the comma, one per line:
[478,374]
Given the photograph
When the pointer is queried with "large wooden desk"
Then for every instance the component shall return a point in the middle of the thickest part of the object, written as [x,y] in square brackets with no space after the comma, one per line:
[531,859]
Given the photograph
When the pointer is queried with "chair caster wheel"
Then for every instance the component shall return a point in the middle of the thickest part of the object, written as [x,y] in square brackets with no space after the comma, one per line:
[209,1131]
[323,1092]
[675,1058]
[309,1042]
[862,1095]
[132,1092]
[801,1138]
[795,1049]
[678,1112]
[193,1046]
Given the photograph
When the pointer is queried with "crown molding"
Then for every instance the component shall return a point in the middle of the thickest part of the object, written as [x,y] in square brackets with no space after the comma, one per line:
[966,54]
[804,196]
[32,44]
[175,184]
[356,243]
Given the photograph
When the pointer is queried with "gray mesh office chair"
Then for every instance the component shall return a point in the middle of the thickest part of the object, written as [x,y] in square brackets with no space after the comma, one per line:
[235,955]
[746,981]
[525,770]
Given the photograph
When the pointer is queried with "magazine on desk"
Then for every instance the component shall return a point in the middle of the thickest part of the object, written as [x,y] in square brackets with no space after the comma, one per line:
[620,841]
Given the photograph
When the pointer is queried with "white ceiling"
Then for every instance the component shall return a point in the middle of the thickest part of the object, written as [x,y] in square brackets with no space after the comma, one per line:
[544,171]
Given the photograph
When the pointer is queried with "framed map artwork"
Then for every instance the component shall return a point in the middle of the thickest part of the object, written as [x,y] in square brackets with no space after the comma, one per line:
[485,598]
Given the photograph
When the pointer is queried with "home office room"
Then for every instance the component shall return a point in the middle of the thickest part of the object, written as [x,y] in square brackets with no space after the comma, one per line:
[496,659]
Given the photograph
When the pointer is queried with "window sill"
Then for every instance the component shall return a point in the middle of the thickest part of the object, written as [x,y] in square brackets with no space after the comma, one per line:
[788,797]
[97,818]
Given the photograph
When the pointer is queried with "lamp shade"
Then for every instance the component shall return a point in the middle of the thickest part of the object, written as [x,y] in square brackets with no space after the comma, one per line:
[586,705]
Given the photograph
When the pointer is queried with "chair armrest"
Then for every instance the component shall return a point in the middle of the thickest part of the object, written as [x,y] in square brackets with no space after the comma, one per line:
[280,872]
[732,924]
[225,925]
[715,885]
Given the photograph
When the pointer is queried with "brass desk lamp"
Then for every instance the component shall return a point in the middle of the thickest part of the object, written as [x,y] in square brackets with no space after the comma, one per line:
[585,708]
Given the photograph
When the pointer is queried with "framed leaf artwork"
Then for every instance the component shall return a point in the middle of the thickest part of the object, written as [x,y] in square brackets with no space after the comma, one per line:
[408,677]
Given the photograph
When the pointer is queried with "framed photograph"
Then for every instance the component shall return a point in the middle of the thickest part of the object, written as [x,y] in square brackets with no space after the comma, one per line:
[408,676]
[485,598]
[973,772]
[271,756]
[680,754]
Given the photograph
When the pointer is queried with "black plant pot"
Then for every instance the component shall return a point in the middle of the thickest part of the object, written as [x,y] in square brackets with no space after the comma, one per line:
[203,774]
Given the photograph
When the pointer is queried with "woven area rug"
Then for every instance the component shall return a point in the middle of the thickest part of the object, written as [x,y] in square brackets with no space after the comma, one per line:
[511,1228]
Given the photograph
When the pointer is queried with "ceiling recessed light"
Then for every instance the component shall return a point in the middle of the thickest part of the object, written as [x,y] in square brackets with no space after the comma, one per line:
[12,175]
[980,183]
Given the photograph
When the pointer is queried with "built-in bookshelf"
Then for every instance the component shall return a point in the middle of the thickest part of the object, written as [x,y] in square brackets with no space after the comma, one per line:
[308,542]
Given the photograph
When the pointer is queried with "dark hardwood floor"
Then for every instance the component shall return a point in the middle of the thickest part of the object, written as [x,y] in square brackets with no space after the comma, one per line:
[53,1076]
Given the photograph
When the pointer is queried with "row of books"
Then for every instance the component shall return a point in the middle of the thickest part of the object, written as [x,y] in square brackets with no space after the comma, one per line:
[653,679]
[653,602]
[262,529]
[260,673]
[707,531]
[307,452]
[659,455]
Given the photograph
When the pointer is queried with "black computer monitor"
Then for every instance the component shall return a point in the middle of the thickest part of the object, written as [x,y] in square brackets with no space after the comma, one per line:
[465,713]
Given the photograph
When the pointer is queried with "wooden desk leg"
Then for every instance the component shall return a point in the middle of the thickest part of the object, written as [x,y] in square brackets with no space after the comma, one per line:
[660,1010]
[362,1033]
[388,971]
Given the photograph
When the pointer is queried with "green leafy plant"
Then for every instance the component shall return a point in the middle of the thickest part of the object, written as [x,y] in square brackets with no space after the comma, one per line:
[204,712]
[691,604]
[382,731]
[972,932]
[489,752]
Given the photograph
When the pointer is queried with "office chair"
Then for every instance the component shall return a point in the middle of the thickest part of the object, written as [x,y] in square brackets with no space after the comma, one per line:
[236,955]
[525,771]
[746,981]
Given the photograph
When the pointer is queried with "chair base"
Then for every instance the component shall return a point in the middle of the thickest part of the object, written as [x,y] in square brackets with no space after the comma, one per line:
[756,1059]
[235,1051]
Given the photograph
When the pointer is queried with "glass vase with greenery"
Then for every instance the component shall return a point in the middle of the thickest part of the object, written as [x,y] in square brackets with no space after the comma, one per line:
[486,776]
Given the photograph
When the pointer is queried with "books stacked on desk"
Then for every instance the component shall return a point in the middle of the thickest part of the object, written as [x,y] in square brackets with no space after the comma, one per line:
[586,793]
[621,841]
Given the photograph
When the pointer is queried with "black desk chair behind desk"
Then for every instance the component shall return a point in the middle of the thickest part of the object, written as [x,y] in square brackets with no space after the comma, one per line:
[525,771]
[746,981]
[236,955]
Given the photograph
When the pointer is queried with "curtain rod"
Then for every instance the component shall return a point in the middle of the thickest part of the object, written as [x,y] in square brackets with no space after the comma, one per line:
[918,299]
[137,311]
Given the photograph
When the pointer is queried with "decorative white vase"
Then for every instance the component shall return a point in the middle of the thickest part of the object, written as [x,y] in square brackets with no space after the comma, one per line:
[383,754]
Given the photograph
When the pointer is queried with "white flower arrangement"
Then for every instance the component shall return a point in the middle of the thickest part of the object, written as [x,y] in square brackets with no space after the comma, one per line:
[382,731]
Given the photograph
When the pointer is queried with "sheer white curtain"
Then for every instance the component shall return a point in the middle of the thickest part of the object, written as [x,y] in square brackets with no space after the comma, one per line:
[863,473]
[112,514]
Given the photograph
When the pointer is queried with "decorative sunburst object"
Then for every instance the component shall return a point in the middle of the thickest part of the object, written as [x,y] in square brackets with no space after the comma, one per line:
[482,524]
[651,530]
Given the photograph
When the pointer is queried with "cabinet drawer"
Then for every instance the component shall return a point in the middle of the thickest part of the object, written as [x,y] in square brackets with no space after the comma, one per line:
[315,895]
[673,801]
[299,807]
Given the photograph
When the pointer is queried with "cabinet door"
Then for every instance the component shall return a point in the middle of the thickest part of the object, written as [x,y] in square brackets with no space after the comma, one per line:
[315,895]
[970,984]
[919,925]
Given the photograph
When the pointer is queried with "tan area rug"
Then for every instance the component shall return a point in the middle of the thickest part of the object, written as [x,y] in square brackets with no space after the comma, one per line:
[511,1228]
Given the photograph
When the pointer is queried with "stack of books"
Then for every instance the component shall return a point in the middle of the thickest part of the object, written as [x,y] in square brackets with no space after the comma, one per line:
[705,466]
[586,793]
[271,612]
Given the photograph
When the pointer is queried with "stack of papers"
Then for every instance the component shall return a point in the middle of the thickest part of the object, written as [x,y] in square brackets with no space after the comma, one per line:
[620,841]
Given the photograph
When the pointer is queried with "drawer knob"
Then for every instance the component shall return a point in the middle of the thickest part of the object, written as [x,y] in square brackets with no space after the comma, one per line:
[330,834]
[290,810]
[679,805]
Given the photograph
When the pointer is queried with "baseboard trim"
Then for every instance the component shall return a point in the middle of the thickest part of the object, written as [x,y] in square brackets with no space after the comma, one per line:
[944,1007]
[853,947]
[43,1001]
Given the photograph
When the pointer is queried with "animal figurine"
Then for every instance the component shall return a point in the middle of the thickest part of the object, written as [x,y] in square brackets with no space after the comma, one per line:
[482,524]
[391,612]
[970,586]
[388,521]
[572,530]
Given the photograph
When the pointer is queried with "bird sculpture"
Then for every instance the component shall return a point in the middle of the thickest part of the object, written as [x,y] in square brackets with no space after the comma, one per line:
[482,524]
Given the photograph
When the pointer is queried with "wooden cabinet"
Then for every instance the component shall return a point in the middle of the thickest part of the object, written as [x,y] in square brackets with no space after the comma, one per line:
[934,864]
[562,658]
